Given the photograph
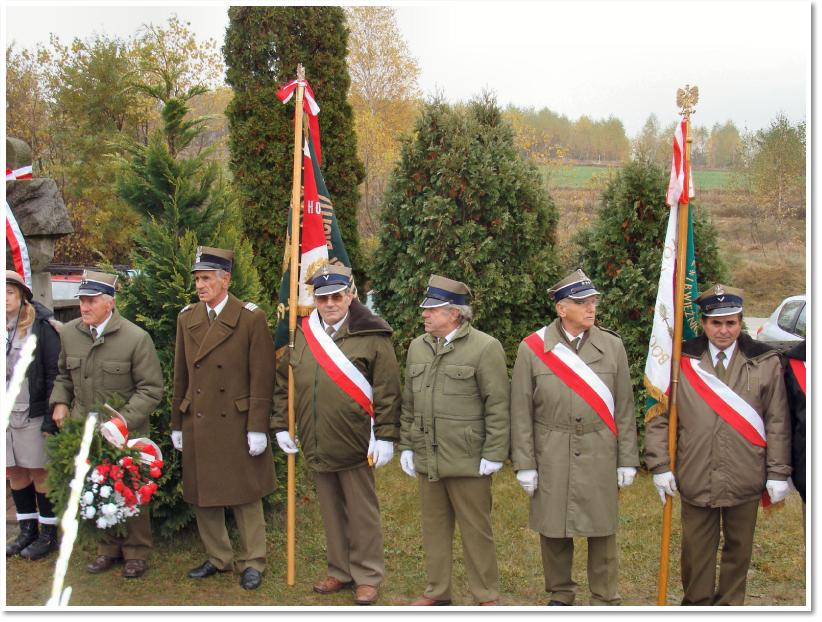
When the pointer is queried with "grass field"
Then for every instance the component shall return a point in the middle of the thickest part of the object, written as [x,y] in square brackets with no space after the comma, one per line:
[776,577]
[581,176]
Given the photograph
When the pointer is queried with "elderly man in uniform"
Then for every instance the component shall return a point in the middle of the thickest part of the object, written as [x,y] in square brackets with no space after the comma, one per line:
[223,384]
[104,355]
[734,444]
[573,439]
[455,434]
[347,391]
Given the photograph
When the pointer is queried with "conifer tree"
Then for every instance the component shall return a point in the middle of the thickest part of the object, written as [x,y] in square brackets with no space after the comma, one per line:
[263,46]
[462,203]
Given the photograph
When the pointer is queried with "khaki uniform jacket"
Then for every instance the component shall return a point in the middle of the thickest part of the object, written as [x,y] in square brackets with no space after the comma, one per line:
[716,466]
[122,362]
[334,431]
[455,404]
[554,431]
[223,383]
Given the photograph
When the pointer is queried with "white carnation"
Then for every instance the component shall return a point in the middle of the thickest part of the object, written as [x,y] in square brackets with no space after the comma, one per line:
[88,497]
[105,491]
[96,477]
[102,523]
[109,510]
[89,511]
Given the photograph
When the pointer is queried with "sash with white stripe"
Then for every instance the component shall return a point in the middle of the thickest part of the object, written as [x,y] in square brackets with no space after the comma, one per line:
[798,368]
[342,371]
[724,402]
[575,373]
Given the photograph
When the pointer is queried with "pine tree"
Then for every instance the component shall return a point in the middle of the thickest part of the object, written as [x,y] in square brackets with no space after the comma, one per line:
[622,251]
[462,203]
[263,46]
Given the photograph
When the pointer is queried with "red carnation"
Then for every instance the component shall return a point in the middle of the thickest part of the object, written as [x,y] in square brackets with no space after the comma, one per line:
[126,461]
[119,487]
[155,472]
[158,463]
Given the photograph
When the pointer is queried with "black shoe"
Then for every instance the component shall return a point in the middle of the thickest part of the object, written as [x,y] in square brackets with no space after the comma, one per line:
[557,603]
[28,534]
[251,579]
[205,570]
[43,545]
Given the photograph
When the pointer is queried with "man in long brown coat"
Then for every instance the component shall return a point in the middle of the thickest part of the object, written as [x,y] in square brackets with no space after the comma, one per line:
[570,456]
[734,442]
[223,384]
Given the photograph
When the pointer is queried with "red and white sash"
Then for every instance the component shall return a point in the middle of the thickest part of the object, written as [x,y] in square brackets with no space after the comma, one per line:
[798,368]
[575,373]
[740,415]
[336,364]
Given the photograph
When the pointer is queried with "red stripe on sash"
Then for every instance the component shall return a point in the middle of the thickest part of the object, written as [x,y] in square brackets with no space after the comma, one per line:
[798,368]
[720,407]
[334,372]
[16,251]
[574,382]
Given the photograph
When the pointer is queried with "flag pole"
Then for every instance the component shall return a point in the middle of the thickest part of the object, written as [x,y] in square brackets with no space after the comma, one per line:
[292,313]
[686,99]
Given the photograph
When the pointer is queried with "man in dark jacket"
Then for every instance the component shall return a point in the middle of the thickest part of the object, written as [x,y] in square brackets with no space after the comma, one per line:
[795,385]
[347,403]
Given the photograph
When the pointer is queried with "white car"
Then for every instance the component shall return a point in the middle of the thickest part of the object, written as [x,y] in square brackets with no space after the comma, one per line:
[786,325]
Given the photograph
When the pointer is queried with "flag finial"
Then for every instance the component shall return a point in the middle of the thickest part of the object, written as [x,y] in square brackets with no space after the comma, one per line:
[686,99]
[300,72]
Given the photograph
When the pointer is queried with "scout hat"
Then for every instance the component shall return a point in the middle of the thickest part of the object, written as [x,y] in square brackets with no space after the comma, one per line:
[442,291]
[96,283]
[720,300]
[208,258]
[15,279]
[575,286]
[330,279]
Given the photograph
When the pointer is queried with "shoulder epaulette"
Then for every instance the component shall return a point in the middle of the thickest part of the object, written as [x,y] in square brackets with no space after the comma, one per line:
[613,332]
[250,306]
[186,308]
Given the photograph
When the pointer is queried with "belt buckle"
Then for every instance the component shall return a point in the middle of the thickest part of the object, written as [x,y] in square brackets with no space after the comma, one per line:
[578,429]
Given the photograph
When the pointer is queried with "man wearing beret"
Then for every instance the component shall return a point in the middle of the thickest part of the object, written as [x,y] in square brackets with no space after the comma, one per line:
[455,435]
[734,443]
[223,383]
[102,355]
[573,439]
[347,392]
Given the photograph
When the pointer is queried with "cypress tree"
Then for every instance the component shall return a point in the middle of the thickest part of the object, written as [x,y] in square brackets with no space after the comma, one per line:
[463,203]
[263,46]
[622,252]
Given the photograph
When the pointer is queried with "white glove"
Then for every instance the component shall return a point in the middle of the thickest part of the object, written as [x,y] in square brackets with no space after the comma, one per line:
[625,476]
[381,452]
[777,490]
[487,467]
[407,462]
[665,485]
[256,443]
[286,443]
[527,478]
[177,439]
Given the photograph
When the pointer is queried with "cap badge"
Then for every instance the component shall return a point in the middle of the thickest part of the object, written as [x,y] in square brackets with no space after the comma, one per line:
[718,290]
[199,254]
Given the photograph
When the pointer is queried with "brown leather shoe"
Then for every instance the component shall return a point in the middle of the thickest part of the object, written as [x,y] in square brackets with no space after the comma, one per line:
[134,568]
[366,594]
[102,563]
[489,603]
[424,601]
[330,584]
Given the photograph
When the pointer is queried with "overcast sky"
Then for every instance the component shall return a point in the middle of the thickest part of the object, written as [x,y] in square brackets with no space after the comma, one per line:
[626,59]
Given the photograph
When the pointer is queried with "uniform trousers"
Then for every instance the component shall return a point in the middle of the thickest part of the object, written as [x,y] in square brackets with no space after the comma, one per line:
[137,542]
[700,541]
[351,517]
[468,500]
[214,535]
[557,558]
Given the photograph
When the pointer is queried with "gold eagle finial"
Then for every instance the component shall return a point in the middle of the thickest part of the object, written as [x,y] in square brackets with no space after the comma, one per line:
[686,99]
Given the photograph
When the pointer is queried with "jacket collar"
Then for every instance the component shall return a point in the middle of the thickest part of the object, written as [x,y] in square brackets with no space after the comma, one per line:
[753,350]
[462,331]
[113,325]
[208,336]
[593,343]
[362,321]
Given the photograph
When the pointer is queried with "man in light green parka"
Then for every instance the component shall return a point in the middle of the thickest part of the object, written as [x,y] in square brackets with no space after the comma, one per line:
[574,447]
[455,433]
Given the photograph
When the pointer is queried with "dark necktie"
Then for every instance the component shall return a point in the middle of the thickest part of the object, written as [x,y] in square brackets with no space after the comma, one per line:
[330,330]
[93,333]
[212,315]
[720,366]
[576,342]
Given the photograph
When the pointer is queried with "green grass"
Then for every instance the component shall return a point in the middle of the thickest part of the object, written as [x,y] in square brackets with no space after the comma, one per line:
[581,176]
[776,576]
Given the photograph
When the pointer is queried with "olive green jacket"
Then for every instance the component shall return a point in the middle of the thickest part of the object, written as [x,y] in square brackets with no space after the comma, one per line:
[333,429]
[121,362]
[455,404]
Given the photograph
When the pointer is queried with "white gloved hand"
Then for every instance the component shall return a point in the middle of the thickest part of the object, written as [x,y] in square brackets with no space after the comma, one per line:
[625,476]
[527,478]
[665,485]
[407,462]
[177,439]
[257,442]
[777,490]
[286,443]
[487,467]
[381,453]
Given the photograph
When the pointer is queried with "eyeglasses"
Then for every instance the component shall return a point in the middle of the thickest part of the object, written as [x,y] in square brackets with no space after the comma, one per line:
[335,297]
[587,302]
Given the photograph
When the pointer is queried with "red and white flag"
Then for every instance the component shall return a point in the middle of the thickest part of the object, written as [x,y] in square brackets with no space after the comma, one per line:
[313,245]
[17,244]
[310,107]
[676,185]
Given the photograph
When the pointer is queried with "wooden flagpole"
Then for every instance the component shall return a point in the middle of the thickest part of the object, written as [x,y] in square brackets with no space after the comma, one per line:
[292,312]
[686,99]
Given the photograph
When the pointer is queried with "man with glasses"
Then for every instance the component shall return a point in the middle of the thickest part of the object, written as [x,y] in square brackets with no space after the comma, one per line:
[573,439]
